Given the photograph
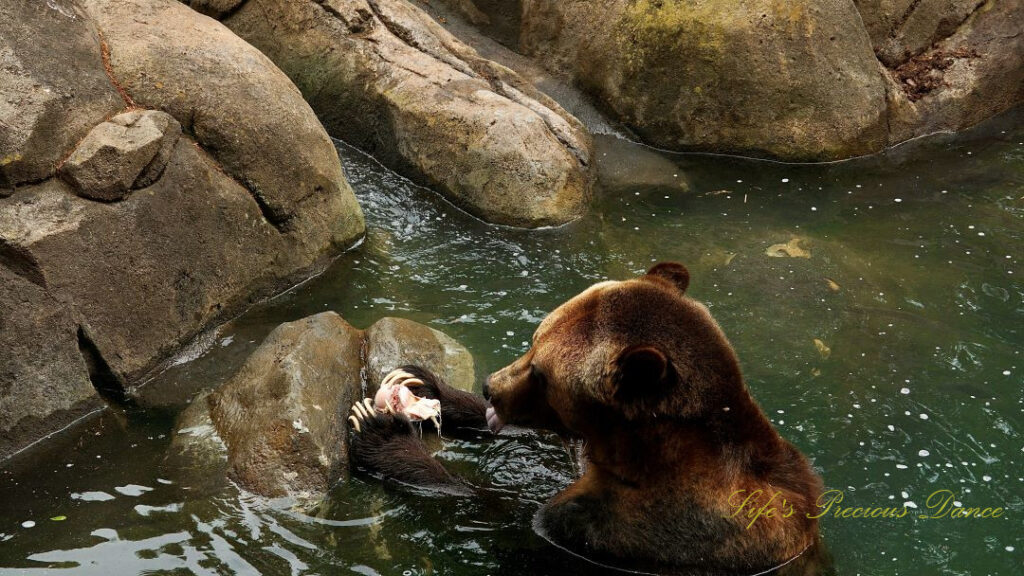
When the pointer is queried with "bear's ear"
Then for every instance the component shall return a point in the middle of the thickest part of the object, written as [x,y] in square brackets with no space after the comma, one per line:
[638,372]
[674,272]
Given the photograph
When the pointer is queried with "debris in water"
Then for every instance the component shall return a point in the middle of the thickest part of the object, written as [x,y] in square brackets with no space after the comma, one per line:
[824,350]
[790,249]
[832,284]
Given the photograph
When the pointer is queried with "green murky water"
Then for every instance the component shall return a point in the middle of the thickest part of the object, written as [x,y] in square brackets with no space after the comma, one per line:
[920,390]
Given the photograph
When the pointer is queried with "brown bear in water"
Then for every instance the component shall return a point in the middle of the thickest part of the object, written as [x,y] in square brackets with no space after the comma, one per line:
[680,458]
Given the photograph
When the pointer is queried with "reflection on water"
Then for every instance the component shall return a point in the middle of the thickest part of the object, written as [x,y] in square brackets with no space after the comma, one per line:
[890,356]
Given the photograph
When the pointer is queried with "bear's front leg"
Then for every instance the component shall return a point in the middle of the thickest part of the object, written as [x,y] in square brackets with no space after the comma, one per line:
[389,447]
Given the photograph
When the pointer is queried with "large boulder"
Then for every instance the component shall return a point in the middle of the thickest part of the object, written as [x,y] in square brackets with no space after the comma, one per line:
[166,56]
[191,227]
[53,88]
[802,80]
[386,78]
[279,426]
[793,80]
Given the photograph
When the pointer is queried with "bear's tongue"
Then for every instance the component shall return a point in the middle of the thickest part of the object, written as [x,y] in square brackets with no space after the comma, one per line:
[494,421]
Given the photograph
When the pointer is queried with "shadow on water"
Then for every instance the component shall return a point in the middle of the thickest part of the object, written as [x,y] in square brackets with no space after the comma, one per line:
[890,355]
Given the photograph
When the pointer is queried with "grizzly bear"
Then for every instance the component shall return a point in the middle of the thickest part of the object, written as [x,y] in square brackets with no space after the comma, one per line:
[683,469]
[679,456]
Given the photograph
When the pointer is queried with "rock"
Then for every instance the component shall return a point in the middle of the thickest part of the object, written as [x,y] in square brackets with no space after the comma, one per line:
[197,454]
[975,73]
[283,416]
[795,80]
[392,342]
[167,57]
[901,29]
[239,207]
[49,98]
[388,79]
[128,151]
[280,423]
[624,166]
[44,379]
[214,8]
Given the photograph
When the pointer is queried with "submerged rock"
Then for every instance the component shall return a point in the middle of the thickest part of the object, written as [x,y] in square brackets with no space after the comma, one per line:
[279,426]
[242,205]
[386,78]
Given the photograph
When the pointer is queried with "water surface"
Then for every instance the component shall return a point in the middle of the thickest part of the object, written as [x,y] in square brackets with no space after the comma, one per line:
[912,287]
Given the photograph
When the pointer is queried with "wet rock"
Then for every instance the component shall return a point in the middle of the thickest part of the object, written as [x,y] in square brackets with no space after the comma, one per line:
[280,424]
[624,166]
[44,380]
[795,80]
[283,415]
[128,151]
[386,78]
[49,98]
[392,342]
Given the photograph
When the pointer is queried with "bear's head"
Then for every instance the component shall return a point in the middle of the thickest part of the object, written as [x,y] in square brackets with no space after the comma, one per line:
[621,353]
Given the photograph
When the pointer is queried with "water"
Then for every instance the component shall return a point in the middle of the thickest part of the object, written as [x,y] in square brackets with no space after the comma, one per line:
[913,285]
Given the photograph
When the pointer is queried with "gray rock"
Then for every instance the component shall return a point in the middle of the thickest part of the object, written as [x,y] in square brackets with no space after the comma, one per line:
[49,98]
[103,292]
[280,425]
[392,342]
[283,416]
[239,106]
[128,151]
[385,77]
[44,379]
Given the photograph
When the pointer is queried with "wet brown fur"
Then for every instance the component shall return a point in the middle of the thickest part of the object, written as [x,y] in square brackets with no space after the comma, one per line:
[647,379]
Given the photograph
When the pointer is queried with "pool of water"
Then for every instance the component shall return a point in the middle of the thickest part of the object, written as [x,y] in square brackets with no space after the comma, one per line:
[912,290]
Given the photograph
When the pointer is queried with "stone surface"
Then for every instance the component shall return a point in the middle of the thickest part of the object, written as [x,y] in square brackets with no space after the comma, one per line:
[279,426]
[901,29]
[251,200]
[128,151]
[283,416]
[974,74]
[392,342]
[168,57]
[386,78]
[49,99]
[794,80]
[44,379]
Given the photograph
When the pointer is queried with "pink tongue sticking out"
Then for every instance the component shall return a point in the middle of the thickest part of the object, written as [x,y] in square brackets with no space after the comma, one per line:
[397,399]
